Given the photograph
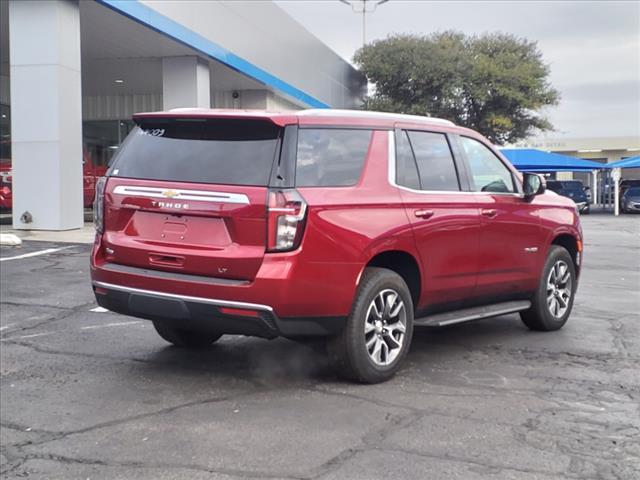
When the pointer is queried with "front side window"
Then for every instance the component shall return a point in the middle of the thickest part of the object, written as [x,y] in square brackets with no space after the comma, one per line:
[433,156]
[329,157]
[488,173]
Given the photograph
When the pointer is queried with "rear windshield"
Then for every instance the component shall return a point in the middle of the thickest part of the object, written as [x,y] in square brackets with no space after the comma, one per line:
[220,151]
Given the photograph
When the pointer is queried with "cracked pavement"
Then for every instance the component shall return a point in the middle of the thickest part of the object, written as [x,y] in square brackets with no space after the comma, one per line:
[98,395]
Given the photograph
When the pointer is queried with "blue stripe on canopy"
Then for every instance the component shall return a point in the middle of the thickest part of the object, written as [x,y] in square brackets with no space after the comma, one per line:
[633,162]
[530,159]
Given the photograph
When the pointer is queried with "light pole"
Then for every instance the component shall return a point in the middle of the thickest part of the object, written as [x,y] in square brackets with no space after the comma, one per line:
[361,6]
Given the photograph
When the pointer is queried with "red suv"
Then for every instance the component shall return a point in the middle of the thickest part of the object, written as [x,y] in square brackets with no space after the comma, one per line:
[354,226]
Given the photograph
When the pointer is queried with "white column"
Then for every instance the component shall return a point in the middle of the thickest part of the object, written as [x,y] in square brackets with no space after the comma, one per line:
[594,191]
[185,82]
[46,114]
[616,174]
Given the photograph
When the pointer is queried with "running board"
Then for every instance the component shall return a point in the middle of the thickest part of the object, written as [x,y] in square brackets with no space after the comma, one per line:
[469,314]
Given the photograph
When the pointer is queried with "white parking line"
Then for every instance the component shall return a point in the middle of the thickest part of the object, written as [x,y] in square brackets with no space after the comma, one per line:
[105,325]
[35,254]
[6,326]
[33,335]
[99,310]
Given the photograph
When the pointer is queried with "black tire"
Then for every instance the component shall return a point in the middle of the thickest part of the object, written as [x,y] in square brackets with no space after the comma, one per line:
[545,314]
[348,352]
[185,338]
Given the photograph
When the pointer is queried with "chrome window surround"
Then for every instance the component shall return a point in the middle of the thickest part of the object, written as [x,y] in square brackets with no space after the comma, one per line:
[179,194]
[187,298]
[392,176]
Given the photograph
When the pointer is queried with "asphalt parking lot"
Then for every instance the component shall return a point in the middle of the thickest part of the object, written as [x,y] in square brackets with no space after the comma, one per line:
[88,394]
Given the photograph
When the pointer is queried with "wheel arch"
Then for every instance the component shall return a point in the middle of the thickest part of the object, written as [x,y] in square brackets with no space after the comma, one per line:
[571,243]
[404,264]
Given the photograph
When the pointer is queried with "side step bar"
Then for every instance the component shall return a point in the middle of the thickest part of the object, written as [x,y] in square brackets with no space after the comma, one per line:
[469,314]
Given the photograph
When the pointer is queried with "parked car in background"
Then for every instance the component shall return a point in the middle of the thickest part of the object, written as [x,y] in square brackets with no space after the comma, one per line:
[626,183]
[90,175]
[572,189]
[630,200]
[343,225]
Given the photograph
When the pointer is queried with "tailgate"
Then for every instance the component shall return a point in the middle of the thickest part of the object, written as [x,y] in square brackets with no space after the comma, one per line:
[189,195]
[210,230]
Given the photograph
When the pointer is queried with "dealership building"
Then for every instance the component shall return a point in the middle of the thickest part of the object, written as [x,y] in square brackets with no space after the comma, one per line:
[73,72]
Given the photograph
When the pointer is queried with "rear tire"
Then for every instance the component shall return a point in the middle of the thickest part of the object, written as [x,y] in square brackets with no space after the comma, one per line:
[378,331]
[185,338]
[552,303]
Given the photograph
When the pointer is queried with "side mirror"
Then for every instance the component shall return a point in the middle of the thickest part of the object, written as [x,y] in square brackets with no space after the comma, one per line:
[534,184]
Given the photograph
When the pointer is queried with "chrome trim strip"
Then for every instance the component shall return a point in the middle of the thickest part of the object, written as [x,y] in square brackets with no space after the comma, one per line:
[187,298]
[392,177]
[179,194]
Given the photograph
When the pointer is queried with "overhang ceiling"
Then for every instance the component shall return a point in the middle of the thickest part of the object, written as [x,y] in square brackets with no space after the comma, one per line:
[114,47]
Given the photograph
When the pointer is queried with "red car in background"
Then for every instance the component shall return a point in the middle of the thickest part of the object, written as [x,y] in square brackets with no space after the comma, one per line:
[90,174]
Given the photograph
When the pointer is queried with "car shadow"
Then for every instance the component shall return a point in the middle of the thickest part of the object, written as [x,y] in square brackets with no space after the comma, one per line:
[282,361]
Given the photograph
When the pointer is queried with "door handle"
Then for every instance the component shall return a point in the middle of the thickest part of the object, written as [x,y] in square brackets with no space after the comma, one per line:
[423,214]
[489,212]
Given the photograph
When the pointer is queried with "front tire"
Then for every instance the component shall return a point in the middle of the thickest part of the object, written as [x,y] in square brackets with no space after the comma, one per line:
[378,331]
[552,303]
[185,338]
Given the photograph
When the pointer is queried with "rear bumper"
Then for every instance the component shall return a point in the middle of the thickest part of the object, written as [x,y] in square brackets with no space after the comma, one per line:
[205,314]
[288,297]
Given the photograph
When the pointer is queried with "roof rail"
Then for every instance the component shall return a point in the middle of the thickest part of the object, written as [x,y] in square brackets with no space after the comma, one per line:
[329,112]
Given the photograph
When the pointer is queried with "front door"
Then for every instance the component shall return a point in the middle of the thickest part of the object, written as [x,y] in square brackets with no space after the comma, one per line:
[511,237]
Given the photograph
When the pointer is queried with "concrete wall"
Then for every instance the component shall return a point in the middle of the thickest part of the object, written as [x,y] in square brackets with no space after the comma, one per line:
[263,34]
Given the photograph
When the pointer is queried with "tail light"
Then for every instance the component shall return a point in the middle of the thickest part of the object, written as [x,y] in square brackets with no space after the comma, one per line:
[286,213]
[98,205]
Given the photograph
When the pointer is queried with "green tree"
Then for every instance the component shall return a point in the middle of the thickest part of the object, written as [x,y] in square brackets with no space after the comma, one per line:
[495,83]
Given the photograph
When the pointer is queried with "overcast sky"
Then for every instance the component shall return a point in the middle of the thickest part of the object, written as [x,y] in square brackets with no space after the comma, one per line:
[592,47]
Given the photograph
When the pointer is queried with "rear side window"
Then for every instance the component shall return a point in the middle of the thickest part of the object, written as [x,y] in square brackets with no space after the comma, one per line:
[406,168]
[436,168]
[330,157]
[219,151]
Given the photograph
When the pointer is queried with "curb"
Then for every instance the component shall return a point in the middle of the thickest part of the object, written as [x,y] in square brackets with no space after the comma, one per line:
[9,239]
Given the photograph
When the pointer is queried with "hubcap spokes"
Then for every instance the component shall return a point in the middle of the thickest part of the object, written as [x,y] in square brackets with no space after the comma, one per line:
[559,289]
[385,327]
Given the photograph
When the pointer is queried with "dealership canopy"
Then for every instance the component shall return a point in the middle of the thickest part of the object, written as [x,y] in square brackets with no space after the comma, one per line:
[532,160]
[633,162]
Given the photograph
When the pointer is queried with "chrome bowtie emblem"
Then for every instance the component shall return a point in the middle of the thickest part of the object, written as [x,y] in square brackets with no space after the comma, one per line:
[170,193]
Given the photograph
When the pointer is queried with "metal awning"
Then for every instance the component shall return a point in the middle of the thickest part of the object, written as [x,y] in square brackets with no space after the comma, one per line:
[532,160]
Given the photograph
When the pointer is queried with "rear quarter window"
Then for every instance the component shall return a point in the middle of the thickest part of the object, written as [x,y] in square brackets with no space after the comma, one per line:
[330,157]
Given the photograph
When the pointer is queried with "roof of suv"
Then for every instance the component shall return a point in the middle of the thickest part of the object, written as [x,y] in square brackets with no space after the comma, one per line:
[312,116]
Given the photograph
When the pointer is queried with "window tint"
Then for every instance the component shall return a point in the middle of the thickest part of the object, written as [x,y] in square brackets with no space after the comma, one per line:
[223,151]
[406,169]
[435,162]
[488,173]
[330,157]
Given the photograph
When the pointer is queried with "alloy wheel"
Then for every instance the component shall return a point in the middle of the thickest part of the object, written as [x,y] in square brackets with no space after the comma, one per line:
[559,289]
[385,327]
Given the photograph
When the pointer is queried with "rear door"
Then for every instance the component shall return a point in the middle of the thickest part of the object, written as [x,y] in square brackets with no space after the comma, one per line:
[444,218]
[511,238]
[189,195]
